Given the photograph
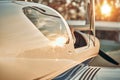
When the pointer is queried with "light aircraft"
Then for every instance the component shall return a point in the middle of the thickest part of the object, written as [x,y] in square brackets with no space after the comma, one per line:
[36,43]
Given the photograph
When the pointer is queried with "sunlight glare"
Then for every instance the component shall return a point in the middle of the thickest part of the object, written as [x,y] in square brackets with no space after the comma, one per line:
[106,9]
[60,41]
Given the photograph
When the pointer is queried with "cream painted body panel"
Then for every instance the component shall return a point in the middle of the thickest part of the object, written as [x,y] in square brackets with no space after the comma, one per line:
[26,54]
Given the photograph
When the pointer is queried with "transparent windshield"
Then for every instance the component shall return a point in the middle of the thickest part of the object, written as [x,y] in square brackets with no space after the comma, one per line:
[50,25]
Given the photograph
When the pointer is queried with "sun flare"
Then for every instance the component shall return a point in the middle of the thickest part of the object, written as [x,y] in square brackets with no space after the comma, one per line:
[106,9]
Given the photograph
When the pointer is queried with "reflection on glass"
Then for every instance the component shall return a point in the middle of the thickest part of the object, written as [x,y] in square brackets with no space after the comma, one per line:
[50,25]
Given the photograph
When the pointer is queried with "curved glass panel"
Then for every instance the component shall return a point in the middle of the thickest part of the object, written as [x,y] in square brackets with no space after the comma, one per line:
[50,25]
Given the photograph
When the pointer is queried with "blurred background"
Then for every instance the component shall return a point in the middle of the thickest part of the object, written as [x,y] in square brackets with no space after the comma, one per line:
[106,10]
